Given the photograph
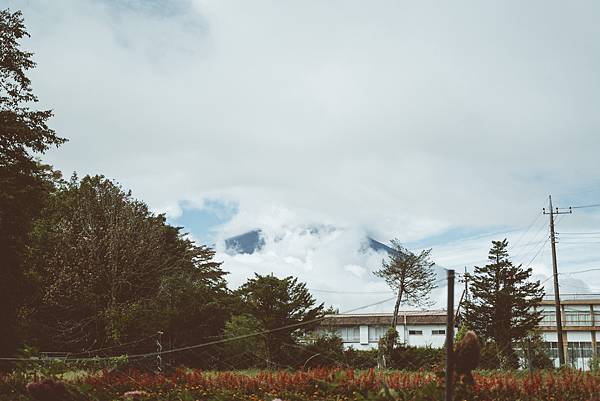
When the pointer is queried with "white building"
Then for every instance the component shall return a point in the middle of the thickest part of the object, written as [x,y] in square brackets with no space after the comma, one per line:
[580,318]
[363,331]
[580,315]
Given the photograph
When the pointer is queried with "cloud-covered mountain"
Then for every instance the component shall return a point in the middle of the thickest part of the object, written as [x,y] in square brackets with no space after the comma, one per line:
[254,241]
[336,263]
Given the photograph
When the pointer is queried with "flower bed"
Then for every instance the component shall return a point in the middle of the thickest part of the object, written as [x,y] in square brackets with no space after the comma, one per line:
[317,384]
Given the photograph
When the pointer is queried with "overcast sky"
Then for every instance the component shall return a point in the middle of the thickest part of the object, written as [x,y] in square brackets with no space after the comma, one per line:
[444,124]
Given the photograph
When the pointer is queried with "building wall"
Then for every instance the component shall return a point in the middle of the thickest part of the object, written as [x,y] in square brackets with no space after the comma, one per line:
[580,331]
[413,335]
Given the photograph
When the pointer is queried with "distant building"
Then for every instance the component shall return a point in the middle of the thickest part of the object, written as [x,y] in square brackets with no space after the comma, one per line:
[580,318]
[581,328]
[363,331]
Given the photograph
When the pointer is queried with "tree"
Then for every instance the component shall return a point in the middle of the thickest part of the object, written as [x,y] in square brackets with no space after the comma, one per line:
[246,352]
[283,306]
[411,275]
[109,271]
[23,179]
[502,306]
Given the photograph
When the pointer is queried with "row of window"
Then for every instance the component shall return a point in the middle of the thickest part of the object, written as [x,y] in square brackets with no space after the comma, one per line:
[575,349]
[571,318]
[352,333]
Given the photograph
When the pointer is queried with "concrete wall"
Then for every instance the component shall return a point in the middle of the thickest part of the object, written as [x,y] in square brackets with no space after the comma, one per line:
[426,339]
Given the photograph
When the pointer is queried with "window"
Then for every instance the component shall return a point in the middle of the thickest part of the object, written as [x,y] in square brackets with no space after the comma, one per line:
[376,332]
[415,332]
[350,334]
[438,332]
[551,349]
[579,349]
[548,318]
[578,318]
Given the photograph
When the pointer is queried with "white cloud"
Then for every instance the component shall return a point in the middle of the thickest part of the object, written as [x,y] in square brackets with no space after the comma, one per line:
[400,119]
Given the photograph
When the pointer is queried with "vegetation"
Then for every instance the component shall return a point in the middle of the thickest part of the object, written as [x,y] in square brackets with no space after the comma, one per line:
[314,384]
[502,307]
[106,271]
[282,304]
[412,276]
[23,179]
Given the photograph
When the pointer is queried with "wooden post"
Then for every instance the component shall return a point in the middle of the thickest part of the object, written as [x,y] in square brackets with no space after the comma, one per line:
[450,338]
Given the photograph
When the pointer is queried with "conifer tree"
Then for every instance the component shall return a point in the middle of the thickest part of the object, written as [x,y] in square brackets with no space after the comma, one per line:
[502,306]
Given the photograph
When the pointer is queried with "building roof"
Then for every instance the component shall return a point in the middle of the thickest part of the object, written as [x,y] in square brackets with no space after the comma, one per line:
[572,299]
[434,317]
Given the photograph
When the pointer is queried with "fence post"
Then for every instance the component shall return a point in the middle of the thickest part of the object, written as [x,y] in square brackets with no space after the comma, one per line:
[450,338]
[159,350]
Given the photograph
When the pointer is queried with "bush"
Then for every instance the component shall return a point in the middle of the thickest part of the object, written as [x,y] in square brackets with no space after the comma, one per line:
[323,351]
[415,358]
[358,359]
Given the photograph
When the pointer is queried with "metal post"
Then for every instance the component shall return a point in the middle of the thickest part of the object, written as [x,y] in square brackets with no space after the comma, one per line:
[450,338]
[529,358]
[159,350]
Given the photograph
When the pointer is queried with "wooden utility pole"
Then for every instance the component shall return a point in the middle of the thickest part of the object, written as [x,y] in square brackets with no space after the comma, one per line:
[450,338]
[559,331]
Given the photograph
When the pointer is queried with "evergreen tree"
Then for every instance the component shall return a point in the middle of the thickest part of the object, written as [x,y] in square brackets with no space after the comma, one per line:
[502,306]
[24,181]
[278,303]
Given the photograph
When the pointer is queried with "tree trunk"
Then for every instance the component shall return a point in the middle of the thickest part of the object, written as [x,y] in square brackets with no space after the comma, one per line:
[397,307]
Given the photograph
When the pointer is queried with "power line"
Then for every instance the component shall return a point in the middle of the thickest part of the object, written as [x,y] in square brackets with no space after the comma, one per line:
[586,206]
[215,342]
[580,233]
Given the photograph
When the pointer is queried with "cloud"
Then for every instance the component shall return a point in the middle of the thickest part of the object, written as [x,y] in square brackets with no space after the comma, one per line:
[399,119]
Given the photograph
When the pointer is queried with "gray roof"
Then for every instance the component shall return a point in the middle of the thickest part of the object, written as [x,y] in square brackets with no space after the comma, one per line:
[435,317]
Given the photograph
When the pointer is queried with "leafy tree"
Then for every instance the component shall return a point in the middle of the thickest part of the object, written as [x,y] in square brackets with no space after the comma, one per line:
[109,272]
[279,303]
[502,306]
[248,352]
[23,179]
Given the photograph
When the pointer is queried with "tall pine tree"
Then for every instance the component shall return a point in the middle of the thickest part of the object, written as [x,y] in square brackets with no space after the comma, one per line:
[502,306]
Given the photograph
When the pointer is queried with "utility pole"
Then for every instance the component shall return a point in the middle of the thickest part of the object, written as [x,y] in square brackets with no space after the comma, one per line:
[559,332]
[449,390]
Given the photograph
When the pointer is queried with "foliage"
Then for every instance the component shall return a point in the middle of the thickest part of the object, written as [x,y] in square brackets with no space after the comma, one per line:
[416,358]
[412,276]
[326,350]
[248,352]
[24,181]
[282,304]
[321,384]
[491,357]
[108,272]
[535,349]
[460,333]
[502,308]
[361,359]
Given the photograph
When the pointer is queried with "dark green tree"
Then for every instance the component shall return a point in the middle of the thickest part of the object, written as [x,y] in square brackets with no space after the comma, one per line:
[23,179]
[503,300]
[279,303]
[108,272]
[247,350]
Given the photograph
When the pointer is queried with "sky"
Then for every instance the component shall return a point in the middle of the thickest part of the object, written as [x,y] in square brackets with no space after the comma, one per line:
[442,124]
